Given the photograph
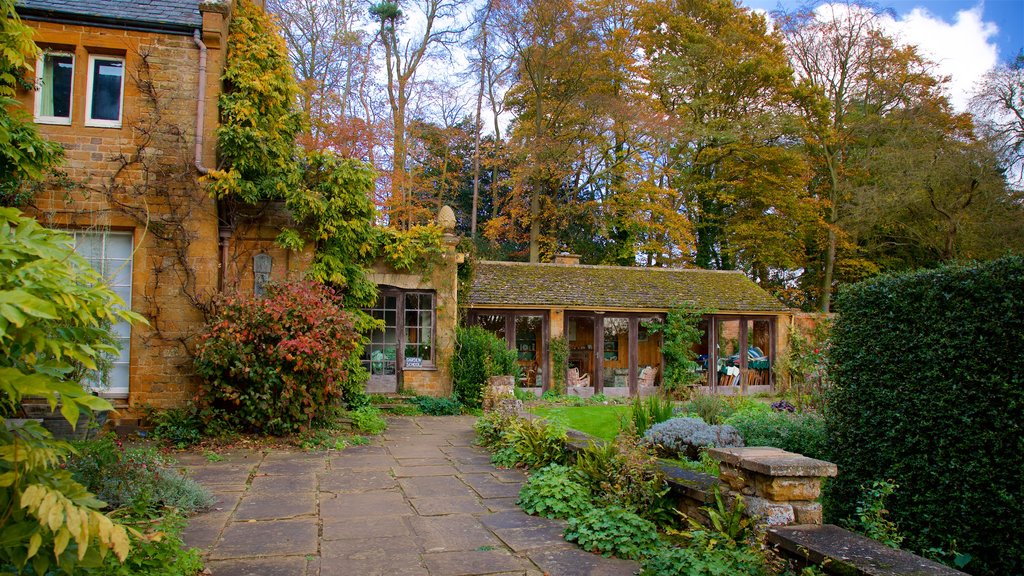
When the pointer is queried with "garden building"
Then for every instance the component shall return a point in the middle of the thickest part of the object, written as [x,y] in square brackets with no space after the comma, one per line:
[608,316]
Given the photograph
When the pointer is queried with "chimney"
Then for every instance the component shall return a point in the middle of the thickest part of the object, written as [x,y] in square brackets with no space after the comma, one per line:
[567,259]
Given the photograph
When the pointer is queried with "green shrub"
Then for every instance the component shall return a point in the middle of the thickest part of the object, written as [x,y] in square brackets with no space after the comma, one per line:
[54,321]
[479,355]
[871,518]
[180,427]
[437,406]
[803,433]
[523,395]
[368,419]
[627,473]
[613,530]
[490,427]
[928,389]
[647,413]
[137,477]
[275,364]
[160,552]
[554,491]
[559,350]
[706,555]
[687,436]
[537,443]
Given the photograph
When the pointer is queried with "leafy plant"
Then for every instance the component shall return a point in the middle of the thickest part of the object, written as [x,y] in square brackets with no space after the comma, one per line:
[160,552]
[710,408]
[681,334]
[275,364]
[479,355]
[871,518]
[523,395]
[728,521]
[491,427]
[134,477]
[626,473]
[704,464]
[687,436]
[368,419]
[613,530]
[259,112]
[437,406]
[181,426]
[25,156]
[537,443]
[649,412]
[803,433]
[559,349]
[554,491]
[706,554]
[55,314]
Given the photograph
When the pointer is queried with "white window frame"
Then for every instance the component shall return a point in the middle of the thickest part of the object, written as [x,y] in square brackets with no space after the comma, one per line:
[109,391]
[38,113]
[99,123]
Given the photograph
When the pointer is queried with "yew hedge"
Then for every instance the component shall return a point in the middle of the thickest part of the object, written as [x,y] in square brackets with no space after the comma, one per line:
[928,371]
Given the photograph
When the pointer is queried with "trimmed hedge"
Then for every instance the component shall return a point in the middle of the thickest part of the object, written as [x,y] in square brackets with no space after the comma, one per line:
[928,371]
[479,355]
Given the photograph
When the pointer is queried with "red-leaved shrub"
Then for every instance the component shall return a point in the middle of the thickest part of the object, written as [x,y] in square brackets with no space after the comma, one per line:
[275,364]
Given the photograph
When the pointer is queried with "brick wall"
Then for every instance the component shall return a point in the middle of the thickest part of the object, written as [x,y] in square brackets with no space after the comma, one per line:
[140,178]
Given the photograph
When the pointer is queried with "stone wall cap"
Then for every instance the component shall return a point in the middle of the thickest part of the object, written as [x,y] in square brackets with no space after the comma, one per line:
[850,553]
[773,461]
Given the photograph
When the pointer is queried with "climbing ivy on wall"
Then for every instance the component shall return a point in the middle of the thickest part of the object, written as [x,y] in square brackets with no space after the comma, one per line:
[260,118]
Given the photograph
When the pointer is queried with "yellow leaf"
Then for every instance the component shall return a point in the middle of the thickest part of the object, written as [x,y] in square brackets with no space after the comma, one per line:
[60,541]
[120,543]
[33,545]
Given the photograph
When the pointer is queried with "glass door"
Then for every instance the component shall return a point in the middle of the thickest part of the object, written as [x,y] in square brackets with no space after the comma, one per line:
[381,355]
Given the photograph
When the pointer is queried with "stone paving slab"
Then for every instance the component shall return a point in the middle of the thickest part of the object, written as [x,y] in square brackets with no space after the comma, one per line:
[422,501]
[434,487]
[277,566]
[277,538]
[447,505]
[430,470]
[473,563]
[284,484]
[365,505]
[276,505]
[453,532]
[371,557]
[488,486]
[340,481]
[576,562]
[379,527]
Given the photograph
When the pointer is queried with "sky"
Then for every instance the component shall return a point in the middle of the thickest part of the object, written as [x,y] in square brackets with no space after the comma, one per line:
[965,38]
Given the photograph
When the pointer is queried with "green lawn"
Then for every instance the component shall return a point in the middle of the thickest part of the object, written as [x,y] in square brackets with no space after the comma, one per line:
[597,420]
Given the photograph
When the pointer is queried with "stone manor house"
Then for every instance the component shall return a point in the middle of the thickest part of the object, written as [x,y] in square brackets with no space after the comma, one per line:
[130,90]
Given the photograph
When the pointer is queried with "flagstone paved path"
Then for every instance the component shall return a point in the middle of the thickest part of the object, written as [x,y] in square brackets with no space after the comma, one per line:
[421,500]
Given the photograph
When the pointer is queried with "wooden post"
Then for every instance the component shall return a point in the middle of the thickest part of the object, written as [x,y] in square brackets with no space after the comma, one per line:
[598,376]
[634,355]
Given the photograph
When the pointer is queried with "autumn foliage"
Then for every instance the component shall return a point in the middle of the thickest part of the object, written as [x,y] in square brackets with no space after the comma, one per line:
[277,364]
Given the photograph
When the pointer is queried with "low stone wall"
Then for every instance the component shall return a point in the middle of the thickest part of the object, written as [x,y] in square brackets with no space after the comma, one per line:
[780,489]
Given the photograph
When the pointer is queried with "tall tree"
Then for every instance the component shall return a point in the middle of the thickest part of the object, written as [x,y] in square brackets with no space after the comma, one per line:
[852,74]
[402,60]
[725,85]
[1000,103]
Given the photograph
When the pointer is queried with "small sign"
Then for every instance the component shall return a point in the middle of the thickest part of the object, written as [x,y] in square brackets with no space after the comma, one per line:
[413,362]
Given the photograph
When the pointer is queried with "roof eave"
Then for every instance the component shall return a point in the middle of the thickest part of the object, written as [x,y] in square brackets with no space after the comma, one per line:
[56,17]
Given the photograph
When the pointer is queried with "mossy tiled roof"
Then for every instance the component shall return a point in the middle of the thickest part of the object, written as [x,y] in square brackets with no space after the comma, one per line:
[171,15]
[502,284]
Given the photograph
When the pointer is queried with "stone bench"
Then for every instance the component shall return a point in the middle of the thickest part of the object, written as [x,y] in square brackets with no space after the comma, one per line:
[846,553]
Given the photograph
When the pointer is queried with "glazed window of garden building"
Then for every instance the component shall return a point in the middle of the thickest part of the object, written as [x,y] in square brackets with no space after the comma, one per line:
[419,329]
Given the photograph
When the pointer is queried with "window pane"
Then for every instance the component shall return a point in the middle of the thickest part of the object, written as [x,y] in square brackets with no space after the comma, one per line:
[529,348]
[616,352]
[106,89]
[55,85]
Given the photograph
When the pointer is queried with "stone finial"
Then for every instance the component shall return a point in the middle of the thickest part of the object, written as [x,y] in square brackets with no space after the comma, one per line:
[446,218]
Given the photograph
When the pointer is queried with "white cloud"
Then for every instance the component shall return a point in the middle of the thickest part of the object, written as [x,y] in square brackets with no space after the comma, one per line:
[964,50]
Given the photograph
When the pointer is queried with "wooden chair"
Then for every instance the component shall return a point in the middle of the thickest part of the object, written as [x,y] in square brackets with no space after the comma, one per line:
[647,376]
[576,380]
